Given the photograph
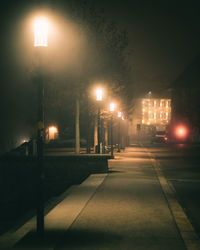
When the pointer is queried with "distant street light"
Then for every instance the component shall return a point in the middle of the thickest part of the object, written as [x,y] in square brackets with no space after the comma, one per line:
[40,41]
[112,109]
[119,134]
[99,94]
[99,97]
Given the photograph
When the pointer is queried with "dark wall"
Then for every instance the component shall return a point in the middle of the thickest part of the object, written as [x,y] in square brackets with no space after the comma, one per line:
[185,96]
[18,178]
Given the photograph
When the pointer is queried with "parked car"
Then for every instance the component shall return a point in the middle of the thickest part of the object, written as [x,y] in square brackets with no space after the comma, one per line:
[159,137]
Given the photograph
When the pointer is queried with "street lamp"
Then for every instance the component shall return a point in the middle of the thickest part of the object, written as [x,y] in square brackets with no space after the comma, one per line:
[41,32]
[99,94]
[112,109]
[119,114]
[119,135]
[40,42]
[99,97]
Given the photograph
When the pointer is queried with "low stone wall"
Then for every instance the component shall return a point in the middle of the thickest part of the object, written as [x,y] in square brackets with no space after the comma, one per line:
[71,169]
[18,178]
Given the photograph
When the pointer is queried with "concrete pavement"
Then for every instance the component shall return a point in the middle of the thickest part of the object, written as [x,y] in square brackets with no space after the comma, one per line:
[123,209]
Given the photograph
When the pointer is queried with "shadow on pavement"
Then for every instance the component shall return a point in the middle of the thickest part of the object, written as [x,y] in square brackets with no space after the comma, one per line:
[161,151]
[110,172]
[75,238]
[115,172]
[140,156]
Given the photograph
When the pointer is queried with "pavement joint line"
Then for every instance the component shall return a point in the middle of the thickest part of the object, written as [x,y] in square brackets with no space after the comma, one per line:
[64,214]
[86,203]
[188,233]
[10,238]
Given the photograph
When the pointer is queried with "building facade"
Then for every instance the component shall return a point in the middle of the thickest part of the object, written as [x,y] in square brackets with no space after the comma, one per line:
[149,115]
[155,111]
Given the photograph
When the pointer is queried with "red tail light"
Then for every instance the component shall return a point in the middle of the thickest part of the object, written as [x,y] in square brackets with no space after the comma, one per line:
[181,132]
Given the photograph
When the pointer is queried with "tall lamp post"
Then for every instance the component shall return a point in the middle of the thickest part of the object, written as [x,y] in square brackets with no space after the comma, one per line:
[99,97]
[119,132]
[122,134]
[112,109]
[40,42]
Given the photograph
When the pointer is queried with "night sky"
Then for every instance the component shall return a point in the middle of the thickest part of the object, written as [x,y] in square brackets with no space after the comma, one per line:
[164,38]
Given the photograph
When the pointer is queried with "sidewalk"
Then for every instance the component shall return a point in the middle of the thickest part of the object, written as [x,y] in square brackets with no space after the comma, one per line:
[124,209]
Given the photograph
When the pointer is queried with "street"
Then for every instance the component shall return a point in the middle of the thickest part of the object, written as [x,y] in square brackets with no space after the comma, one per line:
[181,166]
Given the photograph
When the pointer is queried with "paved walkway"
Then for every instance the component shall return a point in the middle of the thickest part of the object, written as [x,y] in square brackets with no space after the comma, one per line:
[124,209]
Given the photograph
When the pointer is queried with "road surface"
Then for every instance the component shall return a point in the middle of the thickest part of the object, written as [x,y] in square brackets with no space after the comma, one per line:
[181,166]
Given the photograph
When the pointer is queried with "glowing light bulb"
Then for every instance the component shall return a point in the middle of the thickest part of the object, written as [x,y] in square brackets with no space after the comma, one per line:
[41,32]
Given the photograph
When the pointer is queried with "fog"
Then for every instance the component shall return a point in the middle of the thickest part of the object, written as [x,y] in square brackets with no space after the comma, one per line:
[80,54]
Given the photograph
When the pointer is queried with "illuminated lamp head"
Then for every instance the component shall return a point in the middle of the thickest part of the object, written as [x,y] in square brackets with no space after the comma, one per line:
[99,94]
[112,107]
[119,114]
[41,32]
